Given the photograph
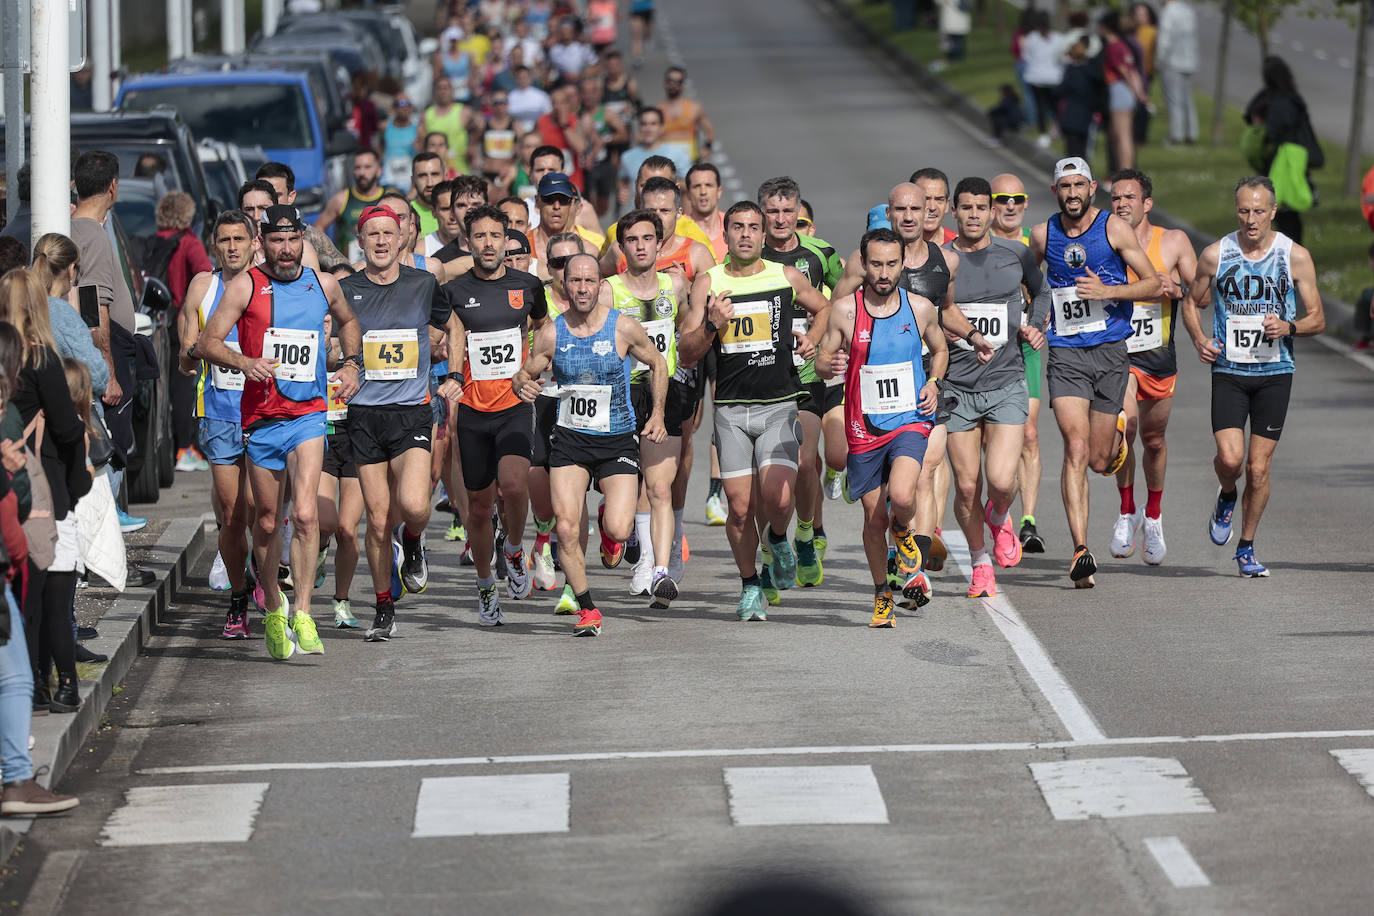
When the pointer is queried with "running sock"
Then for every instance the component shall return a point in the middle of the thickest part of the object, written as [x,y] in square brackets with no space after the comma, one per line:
[923,543]
[660,571]
[752,580]
[981,558]
[879,588]
[1229,496]
[804,531]
[820,531]
[1000,518]
[1154,503]
[408,539]
[1028,519]
[1078,547]
[646,541]
[1127,500]
[716,487]
[542,526]
[584,601]
[483,582]
[239,602]
[383,597]
[1243,544]
[519,548]
[775,538]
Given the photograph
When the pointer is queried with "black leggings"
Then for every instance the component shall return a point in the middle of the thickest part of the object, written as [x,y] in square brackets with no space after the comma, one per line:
[1044,105]
[48,622]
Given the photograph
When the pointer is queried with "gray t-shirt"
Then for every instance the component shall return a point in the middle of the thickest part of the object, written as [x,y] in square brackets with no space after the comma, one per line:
[989,293]
[394,320]
[99,266]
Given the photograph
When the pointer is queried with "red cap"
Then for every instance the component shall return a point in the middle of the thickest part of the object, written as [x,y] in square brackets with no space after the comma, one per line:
[374,212]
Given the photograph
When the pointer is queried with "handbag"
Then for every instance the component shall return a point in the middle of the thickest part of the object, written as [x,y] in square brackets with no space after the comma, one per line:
[100,450]
[40,528]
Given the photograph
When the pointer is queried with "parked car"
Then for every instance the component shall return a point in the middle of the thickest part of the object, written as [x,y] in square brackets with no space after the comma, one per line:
[225,171]
[405,53]
[342,29]
[328,79]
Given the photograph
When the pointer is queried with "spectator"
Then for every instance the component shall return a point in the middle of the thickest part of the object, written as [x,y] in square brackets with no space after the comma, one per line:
[570,55]
[1176,62]
[1043,52]
[1278,115]
[1146,37]
[174,214]
[13,253]
[1124,89]
[364,120]
[1367,198]
[20,225]
[1079,97]
[1364,312]
[55,265]
[1006,114]
[956,21]
[903,15]
[1024,26]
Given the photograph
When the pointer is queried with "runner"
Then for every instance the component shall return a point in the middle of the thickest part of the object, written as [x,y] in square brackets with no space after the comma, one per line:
[935,185]
[1086,252]
[990,400]
[339,501]
[641,29]
[1009,200]
[558,200]
[677,253]
[780,199]
[743,310]
[426,172]
[703,205]
[658,167]
[217,405]
[345,206]
[441,206]
[543,161]
[1154,365]
[889,403]
[685,124]
[279,311]
[492,308]
[390,421]
[321,253]
[652,296]
[1251,277]
[469,192]
[591,351]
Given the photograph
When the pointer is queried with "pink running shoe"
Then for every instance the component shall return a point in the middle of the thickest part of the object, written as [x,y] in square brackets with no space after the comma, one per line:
[984,584]
[1006,546]
[235,626]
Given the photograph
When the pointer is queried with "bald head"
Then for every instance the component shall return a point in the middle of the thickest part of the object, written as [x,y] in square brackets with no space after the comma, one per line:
[906,205]
[581,282]
[1008,206]
[1007,183]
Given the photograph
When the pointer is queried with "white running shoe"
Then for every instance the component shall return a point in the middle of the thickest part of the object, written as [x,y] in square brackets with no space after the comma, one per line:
[675,564]
[1154,540]
[1123,535]
[643,578]
[517,576]
[489,607]
[834,486]
[219,576]
[541,568]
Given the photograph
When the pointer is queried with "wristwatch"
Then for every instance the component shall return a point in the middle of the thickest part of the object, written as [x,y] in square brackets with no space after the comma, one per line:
[711,326]
[968,338]
[356,360]
[454,377]
[1292,329]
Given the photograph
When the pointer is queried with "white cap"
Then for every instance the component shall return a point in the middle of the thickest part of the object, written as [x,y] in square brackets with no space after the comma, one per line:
[1074,165]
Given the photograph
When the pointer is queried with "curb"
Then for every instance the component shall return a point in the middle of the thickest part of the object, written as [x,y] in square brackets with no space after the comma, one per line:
[1339,313]
[125,627]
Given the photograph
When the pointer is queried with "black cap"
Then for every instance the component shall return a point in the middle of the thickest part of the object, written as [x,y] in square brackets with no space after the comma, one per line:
[282,216]
[515,235]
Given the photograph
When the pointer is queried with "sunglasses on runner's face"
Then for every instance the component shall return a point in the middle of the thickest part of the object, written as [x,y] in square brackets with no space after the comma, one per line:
[803,223]
[558,261]
[1009,198]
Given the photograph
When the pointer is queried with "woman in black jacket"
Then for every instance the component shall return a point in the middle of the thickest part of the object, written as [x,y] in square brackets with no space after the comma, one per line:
[42,386]
[1283,113]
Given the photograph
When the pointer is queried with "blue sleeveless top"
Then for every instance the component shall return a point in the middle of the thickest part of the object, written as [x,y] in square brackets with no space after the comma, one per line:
[220,390]
[896,339]
[595,360]
[1067,259]
[1255,288]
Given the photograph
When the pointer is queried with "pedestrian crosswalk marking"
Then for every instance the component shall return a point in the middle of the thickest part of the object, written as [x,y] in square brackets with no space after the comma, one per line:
[774,796]
[1358,762]
[156,815]
[492,805]
[1118,787]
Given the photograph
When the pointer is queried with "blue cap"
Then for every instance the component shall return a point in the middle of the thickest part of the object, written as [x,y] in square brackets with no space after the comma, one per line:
[877,218]
[556,183]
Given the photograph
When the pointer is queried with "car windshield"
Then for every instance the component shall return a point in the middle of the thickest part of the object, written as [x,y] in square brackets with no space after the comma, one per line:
[270,115]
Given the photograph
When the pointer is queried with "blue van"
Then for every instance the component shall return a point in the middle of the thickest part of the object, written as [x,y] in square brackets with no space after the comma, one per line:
[274,109]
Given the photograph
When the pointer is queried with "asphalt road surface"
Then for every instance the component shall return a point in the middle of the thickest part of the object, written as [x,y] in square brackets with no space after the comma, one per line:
[1177,740]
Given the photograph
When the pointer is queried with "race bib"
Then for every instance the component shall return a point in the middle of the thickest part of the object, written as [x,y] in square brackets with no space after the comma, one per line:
[749,331]
[661,336]
[990,319]
[494,354]
[585,407]
[1245,341]
[1147,327]
[337,407]
[296,352]
[887,388]
[390,355]
[799,326]
[227,379]
[498,144]
[1073,315]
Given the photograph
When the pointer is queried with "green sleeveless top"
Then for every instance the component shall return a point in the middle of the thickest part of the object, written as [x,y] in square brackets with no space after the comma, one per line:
[658,315]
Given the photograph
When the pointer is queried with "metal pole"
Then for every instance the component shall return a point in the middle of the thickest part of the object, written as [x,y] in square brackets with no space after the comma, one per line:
[14,106]
[270,14]
[231,26]
[175,49]
[51,136]
[116,36]
[101,97]
[188,27]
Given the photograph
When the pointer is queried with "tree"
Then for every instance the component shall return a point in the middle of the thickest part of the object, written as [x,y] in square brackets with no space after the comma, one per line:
[1228,12]
[1354,145]
[1260,16]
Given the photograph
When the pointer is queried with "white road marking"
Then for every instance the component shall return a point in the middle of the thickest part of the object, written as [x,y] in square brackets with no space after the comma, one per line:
[1177,862]
[1296,46]
[1358,762]
[1319,54]
[1067,705]
[775,796]
[1076,790]
[492,805]
[790,751]
[1340,346]
[158,815]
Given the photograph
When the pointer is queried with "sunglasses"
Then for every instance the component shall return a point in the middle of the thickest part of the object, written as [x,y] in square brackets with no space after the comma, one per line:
[803,223]
[558,261]
[1009,198]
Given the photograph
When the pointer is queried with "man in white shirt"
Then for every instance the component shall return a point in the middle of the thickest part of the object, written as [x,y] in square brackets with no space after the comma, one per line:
[528,103]
[1176,63]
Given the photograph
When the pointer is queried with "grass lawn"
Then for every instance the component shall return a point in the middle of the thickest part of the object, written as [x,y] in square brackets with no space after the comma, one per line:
[1192,183]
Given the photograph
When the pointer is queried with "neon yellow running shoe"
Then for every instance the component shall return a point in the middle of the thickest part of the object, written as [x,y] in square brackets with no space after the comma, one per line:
[281,639]
[567,602]
[307,637]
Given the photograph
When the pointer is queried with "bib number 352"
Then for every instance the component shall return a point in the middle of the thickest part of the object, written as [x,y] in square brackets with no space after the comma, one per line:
[494,354]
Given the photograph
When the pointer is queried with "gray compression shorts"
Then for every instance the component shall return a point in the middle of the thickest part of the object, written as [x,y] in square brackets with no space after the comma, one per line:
[750,437]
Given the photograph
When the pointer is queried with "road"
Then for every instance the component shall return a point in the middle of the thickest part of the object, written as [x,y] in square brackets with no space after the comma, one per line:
[1177,740]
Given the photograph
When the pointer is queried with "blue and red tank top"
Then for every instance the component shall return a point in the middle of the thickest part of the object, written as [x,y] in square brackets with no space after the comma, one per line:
[284,321]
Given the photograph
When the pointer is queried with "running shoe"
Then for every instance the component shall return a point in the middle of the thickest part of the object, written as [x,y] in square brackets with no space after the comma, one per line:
[235,626]
[219,575]
[821,543]
[632,549]
[770,592]
[1082,569]
[810,572]
[343,615]
[489,607]
[190,460]
[1153,551]
[541,567]
[588,623]
[398,587]
[320,566]
[894,574]
[834,486]
[518,582]
[1031,541]
[1006,547]
[883,612]
[642,579]
[456,531]
[715,511]
[414,568]
[284,580]
[1219,525]
[567,602]
[784,565]
[612,552]
[916,590]
[383,624]
[983,583]
[938,551]
[465,558]
[259,598]
[307,637]
[1121,450]
[498,556]
[750,605]
[1123,535]
[1249,566]
[844,488]
[908,554]
[676,560]
[281,639]
[664,591]
[128,523]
